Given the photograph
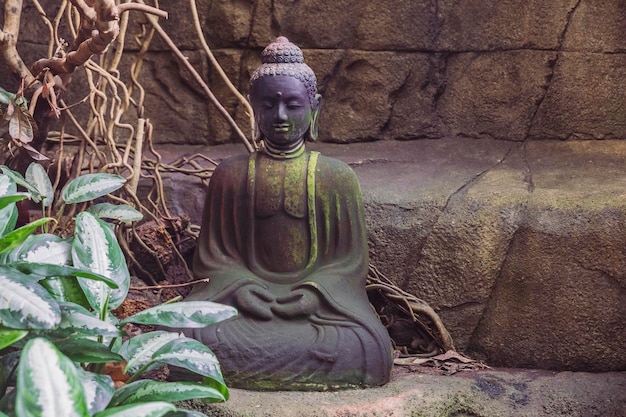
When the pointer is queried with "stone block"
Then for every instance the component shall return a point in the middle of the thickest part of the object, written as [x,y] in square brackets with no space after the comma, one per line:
[571,111]
[560,299]
[607,18]
[358,95]
[396,25]
[475,25]
[493,94]
[414,104]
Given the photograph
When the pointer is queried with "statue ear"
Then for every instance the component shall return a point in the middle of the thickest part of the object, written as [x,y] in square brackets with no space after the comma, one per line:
[315,117]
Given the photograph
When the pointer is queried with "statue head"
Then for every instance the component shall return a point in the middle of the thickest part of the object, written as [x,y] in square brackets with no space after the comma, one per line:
[283,94]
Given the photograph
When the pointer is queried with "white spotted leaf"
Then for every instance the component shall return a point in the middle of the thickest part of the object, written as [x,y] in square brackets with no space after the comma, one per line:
[37,176]
[185,314]
[8,213]
[48,383]
[121,212]
[77,321]
[24,304]
[153,409]
[44,248]
[192,355]
[91,186]
[19,180]
[95,248]
[138,350]
[98,389]
[148,390]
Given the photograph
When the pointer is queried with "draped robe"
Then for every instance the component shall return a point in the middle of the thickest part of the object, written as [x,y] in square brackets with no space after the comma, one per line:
[284,241]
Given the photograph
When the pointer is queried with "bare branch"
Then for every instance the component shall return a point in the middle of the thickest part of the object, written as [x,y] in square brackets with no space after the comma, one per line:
[218,67]
[8,42]
[181,57]
[99,28]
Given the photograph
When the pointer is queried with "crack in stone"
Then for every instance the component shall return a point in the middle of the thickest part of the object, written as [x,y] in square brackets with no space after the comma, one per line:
[393,96]
[478,176]
[274,23]
[369,161]
[552,64]
[610,277]
[438,80]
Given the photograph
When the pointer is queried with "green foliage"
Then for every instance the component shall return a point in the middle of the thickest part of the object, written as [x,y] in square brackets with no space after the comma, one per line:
[56,326]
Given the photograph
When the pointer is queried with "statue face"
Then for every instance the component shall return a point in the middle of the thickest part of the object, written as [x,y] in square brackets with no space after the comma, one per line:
[282,109]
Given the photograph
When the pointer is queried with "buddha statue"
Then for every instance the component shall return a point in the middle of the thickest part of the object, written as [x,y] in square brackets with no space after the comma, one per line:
[283,240]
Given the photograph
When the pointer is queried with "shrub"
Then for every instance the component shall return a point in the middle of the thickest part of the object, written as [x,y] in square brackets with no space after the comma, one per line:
[56,327]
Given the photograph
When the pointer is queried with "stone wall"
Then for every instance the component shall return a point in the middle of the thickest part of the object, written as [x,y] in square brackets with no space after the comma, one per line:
[519,246]
[511,69]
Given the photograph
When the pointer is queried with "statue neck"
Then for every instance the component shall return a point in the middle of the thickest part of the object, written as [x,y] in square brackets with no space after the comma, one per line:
[291,151]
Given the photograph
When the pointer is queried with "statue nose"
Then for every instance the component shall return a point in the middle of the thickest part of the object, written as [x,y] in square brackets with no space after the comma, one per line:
[281,115]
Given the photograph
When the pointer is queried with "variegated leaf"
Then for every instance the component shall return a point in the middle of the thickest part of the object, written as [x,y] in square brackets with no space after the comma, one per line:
[50,249]
[121,212]
[44,248]
[48,383]
[98,389]
[7,185]
[138,350]
[8,214]
[185,314]
[19,180]
[189,354]
[37,176]
[153,409]
[148,390]
[95,248]
[91,186]
[76,320]
[24,304]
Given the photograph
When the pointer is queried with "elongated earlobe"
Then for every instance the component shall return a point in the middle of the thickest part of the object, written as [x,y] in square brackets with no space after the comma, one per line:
[315,118]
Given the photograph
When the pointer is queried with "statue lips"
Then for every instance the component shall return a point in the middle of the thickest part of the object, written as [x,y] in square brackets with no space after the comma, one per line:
[282,128]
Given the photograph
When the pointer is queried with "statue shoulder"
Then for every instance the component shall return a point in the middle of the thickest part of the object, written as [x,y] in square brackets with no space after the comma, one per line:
[230,173]
[232,166]
[334,169]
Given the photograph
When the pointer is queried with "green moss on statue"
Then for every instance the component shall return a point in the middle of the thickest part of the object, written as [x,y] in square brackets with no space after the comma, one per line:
[283,239]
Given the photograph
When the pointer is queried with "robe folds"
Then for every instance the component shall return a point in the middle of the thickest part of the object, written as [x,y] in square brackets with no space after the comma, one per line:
[284,241]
